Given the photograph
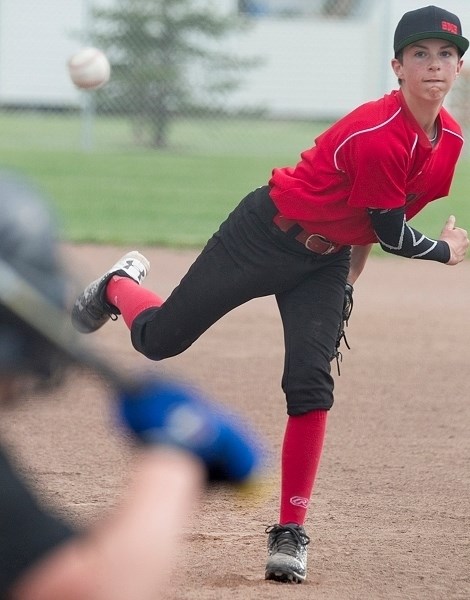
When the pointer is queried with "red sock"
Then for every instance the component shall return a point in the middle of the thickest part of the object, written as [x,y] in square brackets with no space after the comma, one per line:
[301,452]
[130,298]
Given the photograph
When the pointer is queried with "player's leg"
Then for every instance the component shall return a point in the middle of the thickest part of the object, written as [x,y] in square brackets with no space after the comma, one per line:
[97,304]
[243,260]
[240,262]
[213,286]
[310,313]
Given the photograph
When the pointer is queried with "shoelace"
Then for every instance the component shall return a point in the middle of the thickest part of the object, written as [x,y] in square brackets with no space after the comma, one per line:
[287,538]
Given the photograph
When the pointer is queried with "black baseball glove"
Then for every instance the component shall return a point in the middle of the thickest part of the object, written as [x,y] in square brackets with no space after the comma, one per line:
[347,310]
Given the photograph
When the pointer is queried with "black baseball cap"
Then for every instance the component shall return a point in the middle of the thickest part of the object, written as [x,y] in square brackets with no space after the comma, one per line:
[429,22]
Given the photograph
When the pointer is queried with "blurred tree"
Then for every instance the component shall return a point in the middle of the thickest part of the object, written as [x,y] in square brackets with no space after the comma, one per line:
[340,8]
[165,62]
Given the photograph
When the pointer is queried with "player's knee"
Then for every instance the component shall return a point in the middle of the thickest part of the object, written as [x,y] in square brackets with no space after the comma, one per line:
[152,340]
[297,407]
[314,392]
[155,350]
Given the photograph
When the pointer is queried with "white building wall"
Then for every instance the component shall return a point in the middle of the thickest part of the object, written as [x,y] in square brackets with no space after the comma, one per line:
[312,67]
[35,43]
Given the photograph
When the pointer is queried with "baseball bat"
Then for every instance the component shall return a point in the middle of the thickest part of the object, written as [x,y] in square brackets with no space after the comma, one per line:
[23,300]
[158,410]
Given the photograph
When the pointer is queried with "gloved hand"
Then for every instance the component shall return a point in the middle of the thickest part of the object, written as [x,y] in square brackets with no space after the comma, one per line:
[341,335]
[166,412]
[348,302]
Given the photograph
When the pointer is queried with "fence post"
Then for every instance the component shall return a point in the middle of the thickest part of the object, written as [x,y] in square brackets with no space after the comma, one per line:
[87,104]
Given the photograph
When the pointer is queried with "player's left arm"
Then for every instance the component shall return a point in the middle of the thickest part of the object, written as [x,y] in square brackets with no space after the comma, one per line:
[396,236]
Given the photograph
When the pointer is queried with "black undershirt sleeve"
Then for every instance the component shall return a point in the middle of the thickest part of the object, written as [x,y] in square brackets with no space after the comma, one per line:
[397,237]
[27,531]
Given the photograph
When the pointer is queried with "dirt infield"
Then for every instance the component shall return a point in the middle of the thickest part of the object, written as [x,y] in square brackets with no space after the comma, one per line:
[390,517]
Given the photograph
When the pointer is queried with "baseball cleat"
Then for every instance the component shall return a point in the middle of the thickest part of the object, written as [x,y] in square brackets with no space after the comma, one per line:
[90,310]
[287,553]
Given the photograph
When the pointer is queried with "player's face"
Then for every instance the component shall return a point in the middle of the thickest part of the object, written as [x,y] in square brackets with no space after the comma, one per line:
[428,69]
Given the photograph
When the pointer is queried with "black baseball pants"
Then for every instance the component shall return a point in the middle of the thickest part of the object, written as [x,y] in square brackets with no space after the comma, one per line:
[247,258]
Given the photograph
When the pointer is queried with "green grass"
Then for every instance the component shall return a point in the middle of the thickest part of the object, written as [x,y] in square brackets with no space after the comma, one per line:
[124,194]
[432,219]
[149,198]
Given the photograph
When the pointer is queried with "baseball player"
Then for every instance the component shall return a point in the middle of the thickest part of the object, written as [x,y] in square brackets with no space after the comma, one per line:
[131,553]
[305,238]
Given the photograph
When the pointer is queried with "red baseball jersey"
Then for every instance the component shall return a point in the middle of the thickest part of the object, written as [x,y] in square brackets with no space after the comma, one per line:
[375,157]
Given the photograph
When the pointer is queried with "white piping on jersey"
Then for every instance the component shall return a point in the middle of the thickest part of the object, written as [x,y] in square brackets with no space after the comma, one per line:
[378,127]
[363,131]
[413,237]
[453,133]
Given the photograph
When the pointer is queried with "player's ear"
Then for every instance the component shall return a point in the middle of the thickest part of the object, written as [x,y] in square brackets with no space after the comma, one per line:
[397,68]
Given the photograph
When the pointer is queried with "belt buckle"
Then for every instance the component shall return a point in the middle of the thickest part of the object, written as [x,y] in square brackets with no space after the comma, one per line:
[331,245]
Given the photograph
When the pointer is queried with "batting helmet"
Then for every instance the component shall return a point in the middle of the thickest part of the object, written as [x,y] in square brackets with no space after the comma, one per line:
[29,257]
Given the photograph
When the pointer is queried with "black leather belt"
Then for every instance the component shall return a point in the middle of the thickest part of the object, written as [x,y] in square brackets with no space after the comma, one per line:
[312,241]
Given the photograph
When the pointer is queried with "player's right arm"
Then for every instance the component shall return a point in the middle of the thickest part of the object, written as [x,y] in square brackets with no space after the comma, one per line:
[184,440]
[132,553]
[27,531]
[396,236]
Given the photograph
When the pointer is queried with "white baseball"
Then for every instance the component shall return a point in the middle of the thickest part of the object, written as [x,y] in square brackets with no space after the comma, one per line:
[89,68]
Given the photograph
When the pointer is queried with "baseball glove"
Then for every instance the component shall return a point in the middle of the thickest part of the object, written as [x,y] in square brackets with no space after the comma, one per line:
[347,310]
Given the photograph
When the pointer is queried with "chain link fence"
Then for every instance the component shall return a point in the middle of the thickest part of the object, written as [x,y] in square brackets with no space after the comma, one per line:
[302,8]
[232,76]
[459,103]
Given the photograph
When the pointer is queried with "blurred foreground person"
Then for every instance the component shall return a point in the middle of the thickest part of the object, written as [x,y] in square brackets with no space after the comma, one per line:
[130,553]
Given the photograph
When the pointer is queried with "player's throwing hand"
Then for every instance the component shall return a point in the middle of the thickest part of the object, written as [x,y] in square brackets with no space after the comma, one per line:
[457,239]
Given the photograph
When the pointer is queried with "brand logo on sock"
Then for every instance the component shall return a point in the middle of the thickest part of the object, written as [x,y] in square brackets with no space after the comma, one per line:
[299,501]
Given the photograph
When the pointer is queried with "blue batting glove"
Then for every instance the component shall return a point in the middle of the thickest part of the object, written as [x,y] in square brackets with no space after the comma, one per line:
[166,412]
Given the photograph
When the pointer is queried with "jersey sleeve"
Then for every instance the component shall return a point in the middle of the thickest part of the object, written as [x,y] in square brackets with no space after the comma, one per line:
[27,531]
[376,169]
